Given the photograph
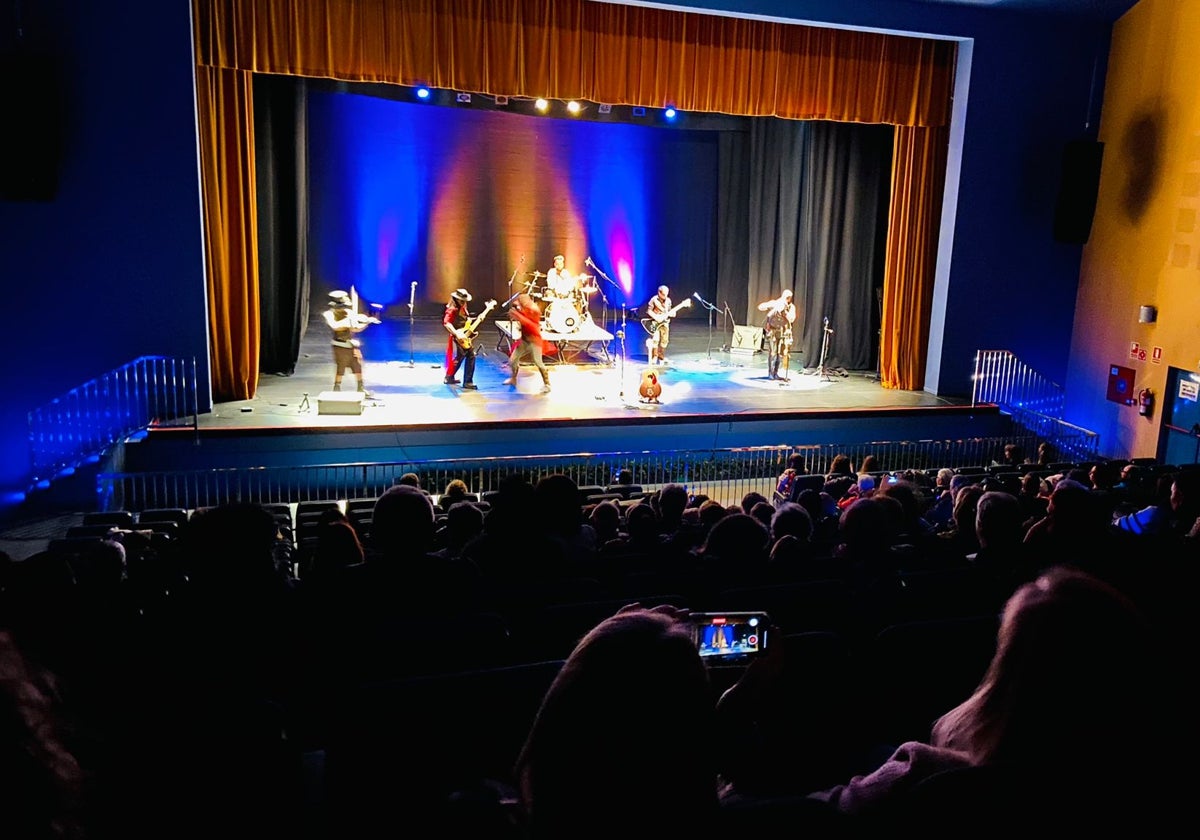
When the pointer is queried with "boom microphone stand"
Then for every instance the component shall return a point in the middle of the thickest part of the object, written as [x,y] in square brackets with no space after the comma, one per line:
[711,309]
[823,371]
[588,262]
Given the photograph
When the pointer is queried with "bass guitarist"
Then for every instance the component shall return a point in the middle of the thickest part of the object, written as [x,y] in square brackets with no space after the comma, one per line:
[460,346]
[659,313]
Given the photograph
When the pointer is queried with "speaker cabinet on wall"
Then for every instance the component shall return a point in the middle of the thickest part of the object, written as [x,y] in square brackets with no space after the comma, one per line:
[1077,191]
[31,134]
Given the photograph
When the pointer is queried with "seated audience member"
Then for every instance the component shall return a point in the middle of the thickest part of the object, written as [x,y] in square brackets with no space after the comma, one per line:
[863,488]
[456,491]
[840,467]
[1185,503]
[785,486]
[1071,725]
[411,479]
[870,464]
[750,500]
[464,522]
[791,519]
[44,785]
[621,745]
[1155,517]
[338,547]
[605,519]
[763,512]
[823,512]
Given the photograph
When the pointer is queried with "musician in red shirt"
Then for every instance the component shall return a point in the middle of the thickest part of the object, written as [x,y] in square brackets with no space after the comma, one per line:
[531,345]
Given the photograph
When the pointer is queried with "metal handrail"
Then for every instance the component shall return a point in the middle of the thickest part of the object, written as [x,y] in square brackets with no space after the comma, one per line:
[82,424]
[726,475]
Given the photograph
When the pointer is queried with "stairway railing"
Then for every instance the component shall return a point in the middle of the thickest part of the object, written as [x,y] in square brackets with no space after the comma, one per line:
[81,425]
[1034,401]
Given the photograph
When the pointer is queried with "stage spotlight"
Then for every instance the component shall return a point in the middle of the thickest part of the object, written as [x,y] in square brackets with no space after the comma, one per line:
[423,93]
[542,105]
[639,111]
[501,100]
[669,113]
[573,107]
[462,97]
[605,109]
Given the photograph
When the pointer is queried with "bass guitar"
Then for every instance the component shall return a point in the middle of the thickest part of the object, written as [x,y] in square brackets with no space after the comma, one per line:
[652,323]
[472,326]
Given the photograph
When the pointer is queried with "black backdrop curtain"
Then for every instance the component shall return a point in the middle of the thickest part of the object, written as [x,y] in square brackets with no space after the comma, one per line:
[281,152]
[800,205]
[814,221]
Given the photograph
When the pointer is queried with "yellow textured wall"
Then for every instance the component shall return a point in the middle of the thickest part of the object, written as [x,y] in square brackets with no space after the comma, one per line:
[1145,241]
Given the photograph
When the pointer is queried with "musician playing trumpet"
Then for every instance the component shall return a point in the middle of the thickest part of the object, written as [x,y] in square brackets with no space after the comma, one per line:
[777,331]
[345,322]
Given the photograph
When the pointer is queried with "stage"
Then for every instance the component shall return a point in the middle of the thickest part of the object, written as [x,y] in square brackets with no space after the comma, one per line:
[592,377]
[710,398]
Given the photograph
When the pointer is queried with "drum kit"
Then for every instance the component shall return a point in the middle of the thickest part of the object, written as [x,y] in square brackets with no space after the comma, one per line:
[564,310]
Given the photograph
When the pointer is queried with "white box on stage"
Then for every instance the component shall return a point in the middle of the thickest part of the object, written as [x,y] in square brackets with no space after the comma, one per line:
[746,339]
[340,402]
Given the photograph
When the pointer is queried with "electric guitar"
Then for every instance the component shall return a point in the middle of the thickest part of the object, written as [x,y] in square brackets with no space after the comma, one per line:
[472,326]
[651,323]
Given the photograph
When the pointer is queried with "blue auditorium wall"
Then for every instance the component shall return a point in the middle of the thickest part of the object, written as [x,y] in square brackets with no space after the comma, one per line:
[111,268]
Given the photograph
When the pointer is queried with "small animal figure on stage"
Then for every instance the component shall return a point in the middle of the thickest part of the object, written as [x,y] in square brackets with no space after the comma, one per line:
[651,387]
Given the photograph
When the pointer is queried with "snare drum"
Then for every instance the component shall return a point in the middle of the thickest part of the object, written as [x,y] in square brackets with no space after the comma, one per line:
[563,317]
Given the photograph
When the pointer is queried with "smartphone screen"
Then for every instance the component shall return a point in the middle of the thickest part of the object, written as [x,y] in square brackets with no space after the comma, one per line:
[730,636]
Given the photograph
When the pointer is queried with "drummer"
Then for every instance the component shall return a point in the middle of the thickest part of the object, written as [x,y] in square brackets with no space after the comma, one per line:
[561,283]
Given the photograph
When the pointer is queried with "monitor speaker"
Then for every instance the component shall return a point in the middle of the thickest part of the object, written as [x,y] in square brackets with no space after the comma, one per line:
[746,339]
[1077,191]
[340,402]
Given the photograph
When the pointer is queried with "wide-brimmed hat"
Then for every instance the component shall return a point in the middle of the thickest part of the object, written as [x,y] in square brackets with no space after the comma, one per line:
[461,295]
[337,298]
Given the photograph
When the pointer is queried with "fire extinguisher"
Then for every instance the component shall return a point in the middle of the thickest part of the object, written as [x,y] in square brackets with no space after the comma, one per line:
[1145,402]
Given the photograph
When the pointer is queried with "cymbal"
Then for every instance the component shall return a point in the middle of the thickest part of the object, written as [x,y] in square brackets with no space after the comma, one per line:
[536,274]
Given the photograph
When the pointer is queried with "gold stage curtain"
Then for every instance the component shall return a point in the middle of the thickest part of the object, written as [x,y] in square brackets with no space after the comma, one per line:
[562,49]
[918,171]
[224,100]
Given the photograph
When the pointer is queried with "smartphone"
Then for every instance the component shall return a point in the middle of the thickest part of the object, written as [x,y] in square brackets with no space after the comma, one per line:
[730,638]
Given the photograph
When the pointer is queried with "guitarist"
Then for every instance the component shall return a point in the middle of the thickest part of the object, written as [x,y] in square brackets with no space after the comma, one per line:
[460,350]
[660,313]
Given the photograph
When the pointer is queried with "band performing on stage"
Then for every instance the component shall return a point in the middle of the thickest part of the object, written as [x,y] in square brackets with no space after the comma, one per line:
[549,317]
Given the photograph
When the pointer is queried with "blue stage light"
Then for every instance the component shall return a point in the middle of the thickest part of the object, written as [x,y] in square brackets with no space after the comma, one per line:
[422,93]
[669,113]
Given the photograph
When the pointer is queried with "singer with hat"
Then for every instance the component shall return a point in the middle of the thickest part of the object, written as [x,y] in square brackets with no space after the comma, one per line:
[777,331]
[344,323]
[460,352]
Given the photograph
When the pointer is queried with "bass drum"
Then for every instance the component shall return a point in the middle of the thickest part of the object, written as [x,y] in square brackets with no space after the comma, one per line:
[563,317]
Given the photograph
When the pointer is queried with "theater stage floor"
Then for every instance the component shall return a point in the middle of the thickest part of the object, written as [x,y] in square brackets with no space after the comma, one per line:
[404,377]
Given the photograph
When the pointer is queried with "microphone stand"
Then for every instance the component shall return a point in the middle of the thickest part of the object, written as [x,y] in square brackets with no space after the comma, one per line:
[621,338]
[588,262]
[711,309]
[412,293]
